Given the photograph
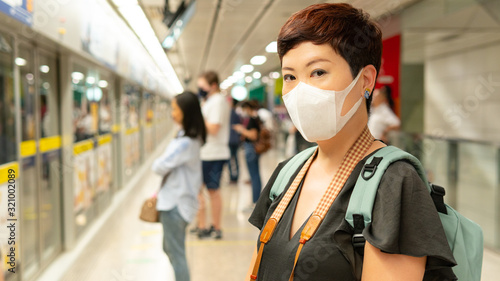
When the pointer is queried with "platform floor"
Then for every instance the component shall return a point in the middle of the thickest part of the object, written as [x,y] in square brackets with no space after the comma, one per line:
[127,249]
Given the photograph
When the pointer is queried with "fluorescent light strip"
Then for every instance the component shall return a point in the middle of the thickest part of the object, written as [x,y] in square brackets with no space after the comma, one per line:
[135,16]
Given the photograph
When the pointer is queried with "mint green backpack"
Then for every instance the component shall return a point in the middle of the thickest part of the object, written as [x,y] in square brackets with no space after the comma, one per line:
[465,237]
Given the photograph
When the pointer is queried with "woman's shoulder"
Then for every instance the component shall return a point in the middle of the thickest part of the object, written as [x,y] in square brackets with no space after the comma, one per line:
[402,172]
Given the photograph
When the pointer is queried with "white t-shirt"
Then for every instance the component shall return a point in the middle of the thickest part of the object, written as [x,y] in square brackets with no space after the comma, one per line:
[381,117]
[216,111]
[266,117]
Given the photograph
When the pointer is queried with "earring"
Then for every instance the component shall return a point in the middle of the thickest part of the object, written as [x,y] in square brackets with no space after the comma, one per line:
[367,93]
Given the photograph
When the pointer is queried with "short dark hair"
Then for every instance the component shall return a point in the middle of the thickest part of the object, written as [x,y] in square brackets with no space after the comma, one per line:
[251,104]
[211,77]
[349,31]
[192,121]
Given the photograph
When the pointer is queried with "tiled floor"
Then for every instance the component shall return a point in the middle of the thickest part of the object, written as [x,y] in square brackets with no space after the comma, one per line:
[127,249]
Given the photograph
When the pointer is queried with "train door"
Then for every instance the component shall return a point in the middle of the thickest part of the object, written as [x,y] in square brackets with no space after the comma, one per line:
[9,165]
[93,109]
[41,237]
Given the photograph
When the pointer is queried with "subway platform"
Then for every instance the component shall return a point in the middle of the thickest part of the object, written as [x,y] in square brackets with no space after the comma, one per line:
[123,248]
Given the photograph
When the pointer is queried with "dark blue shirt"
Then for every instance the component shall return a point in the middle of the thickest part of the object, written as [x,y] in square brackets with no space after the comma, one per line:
[234,137]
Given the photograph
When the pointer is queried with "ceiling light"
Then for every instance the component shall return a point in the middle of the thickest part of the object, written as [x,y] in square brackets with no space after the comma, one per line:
[20,61]
[103,83]
[239,93]
[90,80]
[265,79]
[272,47]
[246,68]
[134,15]
[77,75]
[238,75]
[258,60]
[248,79]
[274,75]
[257,75]
[44,68]
[169,42]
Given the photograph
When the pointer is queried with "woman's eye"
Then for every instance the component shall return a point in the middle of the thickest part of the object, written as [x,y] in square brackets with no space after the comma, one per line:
[318,73]
[288,77]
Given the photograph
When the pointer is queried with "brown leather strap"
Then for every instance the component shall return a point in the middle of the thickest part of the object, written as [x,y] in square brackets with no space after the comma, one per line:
[299,249]
[265,235]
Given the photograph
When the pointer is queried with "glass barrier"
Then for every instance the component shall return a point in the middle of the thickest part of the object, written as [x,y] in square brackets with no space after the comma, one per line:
[470,173]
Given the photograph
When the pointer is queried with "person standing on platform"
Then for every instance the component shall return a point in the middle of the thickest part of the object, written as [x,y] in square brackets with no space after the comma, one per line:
[251,134]
[215,152]
[382,118]
[234,144]
[180,167]
[328,76]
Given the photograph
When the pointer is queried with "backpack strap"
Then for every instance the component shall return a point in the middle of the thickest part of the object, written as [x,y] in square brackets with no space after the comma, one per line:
[359,210]
[288,170]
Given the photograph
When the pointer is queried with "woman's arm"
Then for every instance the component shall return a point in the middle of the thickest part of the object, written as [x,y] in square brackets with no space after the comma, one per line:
[250,268]
[378,265]
[251,134]
[177,154]
[212,128]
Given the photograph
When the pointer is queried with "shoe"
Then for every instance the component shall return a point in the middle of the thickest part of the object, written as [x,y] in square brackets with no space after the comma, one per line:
[218,234]
[194,230]
[204,233]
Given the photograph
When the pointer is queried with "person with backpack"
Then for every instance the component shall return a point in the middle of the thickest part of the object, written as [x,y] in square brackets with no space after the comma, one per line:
[250,134]
[180,167]
[330,56]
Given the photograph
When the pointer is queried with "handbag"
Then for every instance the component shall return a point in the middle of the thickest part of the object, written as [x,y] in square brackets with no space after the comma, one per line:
[263,142]
[148,210]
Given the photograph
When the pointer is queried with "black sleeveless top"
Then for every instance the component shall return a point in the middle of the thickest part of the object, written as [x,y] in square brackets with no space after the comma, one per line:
[404,221]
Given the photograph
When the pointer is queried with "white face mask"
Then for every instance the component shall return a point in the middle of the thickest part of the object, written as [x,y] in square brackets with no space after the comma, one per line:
[316,112]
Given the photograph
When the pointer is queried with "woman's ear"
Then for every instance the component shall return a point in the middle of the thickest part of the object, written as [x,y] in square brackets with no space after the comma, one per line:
[369,75]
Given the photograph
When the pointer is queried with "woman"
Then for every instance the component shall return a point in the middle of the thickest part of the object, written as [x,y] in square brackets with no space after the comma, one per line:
[330,55]
[250,133]
[180,166]
[382,118]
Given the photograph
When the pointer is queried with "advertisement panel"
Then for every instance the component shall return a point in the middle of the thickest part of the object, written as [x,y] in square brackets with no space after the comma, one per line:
[84,175]
[21,10]
[104,161]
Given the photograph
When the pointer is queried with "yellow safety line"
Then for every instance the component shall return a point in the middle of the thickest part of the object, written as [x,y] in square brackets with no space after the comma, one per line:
[8,169]
[132,130]
[50,143]
[28,148]
[116,128]
[83,146]
[104,139]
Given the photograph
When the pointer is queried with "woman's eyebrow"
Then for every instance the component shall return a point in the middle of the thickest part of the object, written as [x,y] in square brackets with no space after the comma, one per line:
[308,64]
[317,60]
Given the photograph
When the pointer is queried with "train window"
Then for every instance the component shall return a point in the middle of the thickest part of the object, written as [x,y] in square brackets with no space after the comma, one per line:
[105,105]
[86,97]
[7,105]
[131,103]
[48,95]
[27,84]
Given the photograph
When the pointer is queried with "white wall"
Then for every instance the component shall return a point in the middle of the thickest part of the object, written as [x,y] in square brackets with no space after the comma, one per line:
[462,94]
